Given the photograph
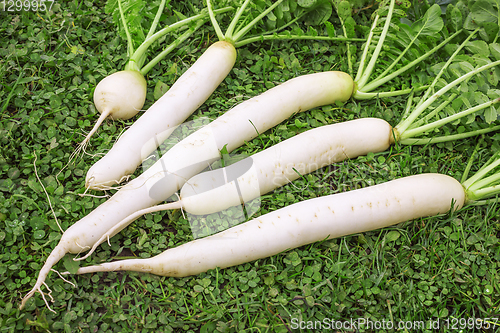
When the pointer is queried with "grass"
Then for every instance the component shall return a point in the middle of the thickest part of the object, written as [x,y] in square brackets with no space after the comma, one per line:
[444,267]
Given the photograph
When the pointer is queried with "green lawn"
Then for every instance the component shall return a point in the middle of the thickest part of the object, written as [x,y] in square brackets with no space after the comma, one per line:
[439,268]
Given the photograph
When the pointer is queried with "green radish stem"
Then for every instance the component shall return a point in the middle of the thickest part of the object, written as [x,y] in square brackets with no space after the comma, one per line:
[130,45]
[152,29]
[364,87]
[402,127]
[484,186]
[292,37]
[235,34]
[368,71]
[138,56]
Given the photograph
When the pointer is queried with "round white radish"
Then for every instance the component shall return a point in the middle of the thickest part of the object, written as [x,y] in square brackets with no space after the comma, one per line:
[119,96]
[193,154]
[187,94]
[303,223]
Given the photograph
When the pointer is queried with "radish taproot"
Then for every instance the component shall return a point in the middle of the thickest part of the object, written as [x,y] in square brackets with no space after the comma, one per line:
[193,154]
[192,89]
[303,223]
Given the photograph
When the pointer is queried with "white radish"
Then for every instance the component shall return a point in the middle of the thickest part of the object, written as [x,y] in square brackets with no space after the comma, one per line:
[122,95]
[187,94]
[193,154]
[216,190]
[303,223]
[118,96]
[283,163]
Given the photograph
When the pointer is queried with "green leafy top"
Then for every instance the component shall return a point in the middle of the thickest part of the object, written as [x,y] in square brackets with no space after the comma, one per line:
[395,45]
[265,20]
[484,186]
[464,89]
[133,19]
[483,15]
[137,21]
[458,91]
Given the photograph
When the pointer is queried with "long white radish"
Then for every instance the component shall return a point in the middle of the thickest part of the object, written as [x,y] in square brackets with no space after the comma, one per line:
[303,223]
[122,95]
[190,156]
[216,190]
[283,163]
[187,94]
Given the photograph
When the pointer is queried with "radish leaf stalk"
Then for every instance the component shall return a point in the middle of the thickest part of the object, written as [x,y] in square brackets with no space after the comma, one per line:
[246,20]
[406,36]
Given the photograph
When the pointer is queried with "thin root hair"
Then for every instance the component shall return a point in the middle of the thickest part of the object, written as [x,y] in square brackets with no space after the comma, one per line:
[44,190]
[62,278]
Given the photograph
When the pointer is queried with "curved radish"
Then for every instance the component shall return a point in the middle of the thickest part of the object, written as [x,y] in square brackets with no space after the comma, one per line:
[303,223]
[193,154]
[187,94]
[216,190]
